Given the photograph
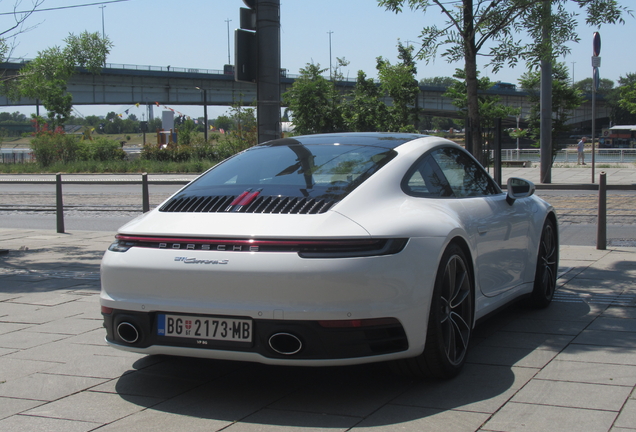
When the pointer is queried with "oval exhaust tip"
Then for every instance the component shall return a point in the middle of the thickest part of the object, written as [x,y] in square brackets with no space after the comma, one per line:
[127,332]
[285,343]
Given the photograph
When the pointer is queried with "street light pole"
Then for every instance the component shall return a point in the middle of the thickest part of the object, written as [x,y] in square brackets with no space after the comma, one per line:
[103,32]
[228,40]
[330,75]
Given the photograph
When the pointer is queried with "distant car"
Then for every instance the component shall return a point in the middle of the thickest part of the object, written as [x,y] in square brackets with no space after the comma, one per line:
[331,249]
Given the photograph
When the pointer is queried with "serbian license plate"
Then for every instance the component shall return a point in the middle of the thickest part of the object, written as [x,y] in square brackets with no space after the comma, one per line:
[205,327]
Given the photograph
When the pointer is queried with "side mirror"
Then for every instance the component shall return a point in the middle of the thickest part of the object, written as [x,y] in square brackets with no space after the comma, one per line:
[519,188]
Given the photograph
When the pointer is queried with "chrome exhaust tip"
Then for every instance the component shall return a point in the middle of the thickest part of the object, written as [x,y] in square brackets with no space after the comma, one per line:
[285,343]
[127,332]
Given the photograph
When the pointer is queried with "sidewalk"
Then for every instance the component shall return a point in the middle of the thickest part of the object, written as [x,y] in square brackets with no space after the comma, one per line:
[570,367]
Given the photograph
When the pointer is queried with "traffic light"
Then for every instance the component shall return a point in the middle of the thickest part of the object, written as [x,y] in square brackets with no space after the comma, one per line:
[245,51]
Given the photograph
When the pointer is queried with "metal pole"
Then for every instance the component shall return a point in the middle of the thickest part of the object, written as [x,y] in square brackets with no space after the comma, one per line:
[593,123]
[268,75]
[205,115]
[546,99]
[601,228]
[145,197]
[228,40]
[103,28]
[330,75]
[59,205]
[497,155]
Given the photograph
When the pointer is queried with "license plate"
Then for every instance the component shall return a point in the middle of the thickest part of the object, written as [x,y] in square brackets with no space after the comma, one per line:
[205,327]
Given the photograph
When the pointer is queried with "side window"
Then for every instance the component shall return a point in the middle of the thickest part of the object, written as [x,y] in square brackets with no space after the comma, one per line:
[465,176]
[425,179]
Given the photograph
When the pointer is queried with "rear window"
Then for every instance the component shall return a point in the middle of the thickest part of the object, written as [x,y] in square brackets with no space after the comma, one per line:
[318,171]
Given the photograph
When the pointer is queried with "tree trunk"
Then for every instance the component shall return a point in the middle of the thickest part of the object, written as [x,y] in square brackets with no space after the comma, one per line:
[471,81]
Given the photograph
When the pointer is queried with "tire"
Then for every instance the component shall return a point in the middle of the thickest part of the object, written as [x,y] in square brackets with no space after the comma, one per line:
[450,321]
[547,265]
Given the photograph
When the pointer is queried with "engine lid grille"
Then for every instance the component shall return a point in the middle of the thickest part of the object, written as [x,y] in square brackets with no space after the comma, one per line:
[260,204]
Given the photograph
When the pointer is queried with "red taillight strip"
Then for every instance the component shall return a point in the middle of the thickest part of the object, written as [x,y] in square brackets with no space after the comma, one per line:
[248,242]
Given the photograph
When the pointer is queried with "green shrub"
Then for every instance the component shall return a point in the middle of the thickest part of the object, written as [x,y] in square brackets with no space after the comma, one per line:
[50,147]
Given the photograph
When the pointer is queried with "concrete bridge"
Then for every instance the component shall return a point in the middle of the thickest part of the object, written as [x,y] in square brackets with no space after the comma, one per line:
[120,84]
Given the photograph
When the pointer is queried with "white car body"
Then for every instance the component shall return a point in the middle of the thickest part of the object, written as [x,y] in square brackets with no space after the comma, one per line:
[270,289]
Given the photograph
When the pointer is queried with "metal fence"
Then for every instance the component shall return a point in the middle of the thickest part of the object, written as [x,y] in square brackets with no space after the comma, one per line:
[13,156]
[570,156]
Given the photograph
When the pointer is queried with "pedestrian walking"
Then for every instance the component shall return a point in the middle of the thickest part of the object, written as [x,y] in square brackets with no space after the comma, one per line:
[580,148]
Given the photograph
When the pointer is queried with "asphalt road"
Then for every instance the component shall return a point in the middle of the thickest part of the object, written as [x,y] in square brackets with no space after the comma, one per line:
[107,207]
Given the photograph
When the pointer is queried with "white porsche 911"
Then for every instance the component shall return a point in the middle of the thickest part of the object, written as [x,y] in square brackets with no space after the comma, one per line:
[330,249]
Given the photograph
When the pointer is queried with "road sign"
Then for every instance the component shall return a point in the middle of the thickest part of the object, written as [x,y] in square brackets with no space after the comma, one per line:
[596,44]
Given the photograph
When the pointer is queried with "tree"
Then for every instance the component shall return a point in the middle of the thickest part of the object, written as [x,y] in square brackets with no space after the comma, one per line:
[314,102]
[618,100]
[490,106]
[438,81]
[565,98]
[585,85]
[475,26]
[46,76]
[17,27]
[365,111]
[398,81]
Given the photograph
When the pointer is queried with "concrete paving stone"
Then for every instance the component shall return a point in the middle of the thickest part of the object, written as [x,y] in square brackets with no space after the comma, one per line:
[31,284]
[519,357]
[191,368]
[46,298]
[62,350]
[22,423]
[573,395]
[272,420]
[11,369]
[348,392]
[22,340]
[416,419]
[602,338]
[6,296]
[614,324]
[520,417]
[545,326]
[93,407]
[141,383]
[592,373]
[610,286]
[5,351]
[46,387]
[150,420]
[564,307]
[479,388]
[67,326]
[6,327]
[627,417]
[30,314]
[620,312]
[100,366]
[598,354]
[226,400]
[578,254]
[12,406]
[93,337]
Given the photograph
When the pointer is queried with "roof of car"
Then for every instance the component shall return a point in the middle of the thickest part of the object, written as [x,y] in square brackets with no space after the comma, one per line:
[387,140]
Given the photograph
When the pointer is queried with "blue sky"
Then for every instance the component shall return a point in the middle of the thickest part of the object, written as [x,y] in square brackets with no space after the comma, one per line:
[194,34]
